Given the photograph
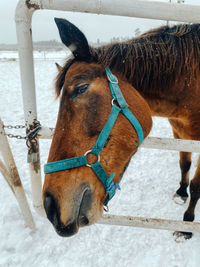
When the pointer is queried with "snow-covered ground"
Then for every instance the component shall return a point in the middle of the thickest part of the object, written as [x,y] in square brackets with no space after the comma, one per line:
[38,55]
[147,189]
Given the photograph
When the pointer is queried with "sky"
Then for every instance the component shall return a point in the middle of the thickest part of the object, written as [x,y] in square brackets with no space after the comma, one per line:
[94,26]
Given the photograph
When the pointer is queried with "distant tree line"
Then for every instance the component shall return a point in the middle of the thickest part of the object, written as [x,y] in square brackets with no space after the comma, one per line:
[41,45]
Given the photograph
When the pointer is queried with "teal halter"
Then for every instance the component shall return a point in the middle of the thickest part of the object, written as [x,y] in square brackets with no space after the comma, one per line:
[71,163]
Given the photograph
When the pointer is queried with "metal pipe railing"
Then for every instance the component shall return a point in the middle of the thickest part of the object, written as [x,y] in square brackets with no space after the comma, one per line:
[142,222]
[130,8]
[149,142]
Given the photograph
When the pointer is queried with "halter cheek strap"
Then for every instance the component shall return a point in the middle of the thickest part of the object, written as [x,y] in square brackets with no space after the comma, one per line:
[107,181]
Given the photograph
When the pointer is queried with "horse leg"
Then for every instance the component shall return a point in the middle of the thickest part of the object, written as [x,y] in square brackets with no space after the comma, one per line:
[185,163]
[194,197]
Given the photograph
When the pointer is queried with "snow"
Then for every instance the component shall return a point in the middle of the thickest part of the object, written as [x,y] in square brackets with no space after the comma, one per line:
[147,190]
[38,55]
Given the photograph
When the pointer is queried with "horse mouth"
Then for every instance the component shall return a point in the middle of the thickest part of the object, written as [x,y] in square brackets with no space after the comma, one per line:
[80,216]
[67,231]
[72,228]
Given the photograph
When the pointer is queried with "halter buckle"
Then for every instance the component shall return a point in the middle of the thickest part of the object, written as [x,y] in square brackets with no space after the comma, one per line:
[89,152]
[112,78]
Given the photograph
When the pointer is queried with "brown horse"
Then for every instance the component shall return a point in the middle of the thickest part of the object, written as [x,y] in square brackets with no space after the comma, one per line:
[76,197]
[163,65]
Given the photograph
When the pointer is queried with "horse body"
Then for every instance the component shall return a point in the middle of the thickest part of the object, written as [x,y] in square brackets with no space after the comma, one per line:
[163,66]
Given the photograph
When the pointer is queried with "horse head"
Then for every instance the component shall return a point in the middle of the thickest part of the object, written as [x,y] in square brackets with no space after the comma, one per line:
[75,196]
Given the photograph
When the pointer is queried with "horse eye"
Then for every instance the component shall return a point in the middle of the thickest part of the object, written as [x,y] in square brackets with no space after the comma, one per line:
[79,90]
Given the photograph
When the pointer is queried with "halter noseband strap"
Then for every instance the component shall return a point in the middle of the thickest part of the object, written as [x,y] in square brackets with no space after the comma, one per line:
[71,163]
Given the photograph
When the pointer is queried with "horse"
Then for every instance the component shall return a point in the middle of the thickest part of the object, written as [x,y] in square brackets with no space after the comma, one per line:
[101,121]
[163,66]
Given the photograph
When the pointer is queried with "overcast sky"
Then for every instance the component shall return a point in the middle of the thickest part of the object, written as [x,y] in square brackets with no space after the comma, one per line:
[94,26]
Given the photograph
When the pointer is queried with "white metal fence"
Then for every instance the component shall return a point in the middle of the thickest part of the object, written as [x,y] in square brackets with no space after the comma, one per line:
[130,8]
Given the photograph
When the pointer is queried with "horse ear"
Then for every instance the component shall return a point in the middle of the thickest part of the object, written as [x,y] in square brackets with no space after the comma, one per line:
[59,67]
[74,39]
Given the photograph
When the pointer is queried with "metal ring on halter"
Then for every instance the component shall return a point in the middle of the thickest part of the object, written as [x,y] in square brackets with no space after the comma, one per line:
[106,208]
[113,82]
[114,102]
[89,152]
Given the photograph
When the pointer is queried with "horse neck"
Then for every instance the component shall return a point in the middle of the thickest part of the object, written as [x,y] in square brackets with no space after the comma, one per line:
[129,61]
[155,64]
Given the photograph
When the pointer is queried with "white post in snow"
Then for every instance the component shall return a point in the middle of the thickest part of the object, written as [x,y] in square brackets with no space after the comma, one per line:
[12,177]
[23,17]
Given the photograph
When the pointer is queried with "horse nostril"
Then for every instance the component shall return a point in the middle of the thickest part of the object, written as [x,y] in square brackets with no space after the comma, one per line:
[51,208]
[83,220]
[85,206]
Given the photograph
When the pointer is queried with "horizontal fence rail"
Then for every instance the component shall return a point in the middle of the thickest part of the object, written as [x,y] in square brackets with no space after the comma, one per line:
[149,142]
[172,225]
[128,8]
[172,144]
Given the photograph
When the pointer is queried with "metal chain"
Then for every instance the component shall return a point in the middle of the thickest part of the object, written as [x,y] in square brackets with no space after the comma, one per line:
[31,139]
[16,136]
[31,135]
[15,127]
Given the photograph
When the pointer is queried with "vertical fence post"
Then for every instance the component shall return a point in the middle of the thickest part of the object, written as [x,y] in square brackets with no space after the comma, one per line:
[12,177]
[23,16]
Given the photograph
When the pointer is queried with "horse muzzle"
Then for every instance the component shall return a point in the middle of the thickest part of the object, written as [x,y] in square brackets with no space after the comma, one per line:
[79,208]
